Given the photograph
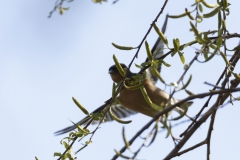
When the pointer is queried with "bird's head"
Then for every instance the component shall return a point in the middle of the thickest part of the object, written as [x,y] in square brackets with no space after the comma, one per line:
[114,73]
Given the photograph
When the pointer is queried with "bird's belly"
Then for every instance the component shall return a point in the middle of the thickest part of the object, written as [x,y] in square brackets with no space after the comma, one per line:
[134,100]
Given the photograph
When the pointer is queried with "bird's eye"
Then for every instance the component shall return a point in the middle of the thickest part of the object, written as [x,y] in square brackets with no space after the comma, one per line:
[111,71]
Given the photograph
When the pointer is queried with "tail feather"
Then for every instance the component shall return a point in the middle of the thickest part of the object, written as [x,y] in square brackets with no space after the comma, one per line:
[70,128]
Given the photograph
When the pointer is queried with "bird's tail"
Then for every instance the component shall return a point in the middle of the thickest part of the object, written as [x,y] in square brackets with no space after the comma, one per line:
[70,128]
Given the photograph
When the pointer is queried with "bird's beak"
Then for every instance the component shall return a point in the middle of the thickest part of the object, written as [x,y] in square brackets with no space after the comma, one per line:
[110,71]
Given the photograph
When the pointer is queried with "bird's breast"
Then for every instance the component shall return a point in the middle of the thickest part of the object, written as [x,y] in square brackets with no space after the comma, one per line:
[134,100]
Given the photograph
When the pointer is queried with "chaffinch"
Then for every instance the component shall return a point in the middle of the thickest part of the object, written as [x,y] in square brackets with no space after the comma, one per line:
[133,101]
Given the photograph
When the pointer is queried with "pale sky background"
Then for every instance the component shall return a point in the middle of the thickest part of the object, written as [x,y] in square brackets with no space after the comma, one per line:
[44,62]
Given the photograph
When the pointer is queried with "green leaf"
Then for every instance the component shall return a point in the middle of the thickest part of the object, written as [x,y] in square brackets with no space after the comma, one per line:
[225,4]
[154,134]
[61,11]
[65,144]
[200,8]
[117,119]
[155,71]
[165,63]
[208,5]
[189,14]
[212,13]
[79,134]
[177,43]
[189,92]
[181,115]
[212,55]
[158,108]
[176,48]
[146,63]
[134,87]
[88,142]
[57,154]
[219,42]
[194,29]
[219,20]
[121,155]
[188,82]
[181,57]
[213,46]
[174,84]
[122,47]
[224,58]
[65,9]
[199,19]
[237,76]
[80,106]
[125,139]
[169,130]
[206,52]
[138,66]
[69,156]
[145,95]
[149,53]
[119,67]
[173,53]
[161,35]
[178,16]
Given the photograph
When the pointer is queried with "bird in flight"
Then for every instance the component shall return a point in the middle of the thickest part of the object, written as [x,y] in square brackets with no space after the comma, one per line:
[133,101]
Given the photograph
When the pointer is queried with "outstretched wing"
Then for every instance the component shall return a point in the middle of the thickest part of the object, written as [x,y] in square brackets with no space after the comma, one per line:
[119,110]
[157,52]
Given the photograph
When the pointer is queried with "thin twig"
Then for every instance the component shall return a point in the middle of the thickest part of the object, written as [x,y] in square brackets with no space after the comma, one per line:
[236,55]
[195,127]
[167,109]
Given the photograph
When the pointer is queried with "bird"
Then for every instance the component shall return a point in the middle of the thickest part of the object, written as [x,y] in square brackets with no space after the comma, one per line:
[133,101]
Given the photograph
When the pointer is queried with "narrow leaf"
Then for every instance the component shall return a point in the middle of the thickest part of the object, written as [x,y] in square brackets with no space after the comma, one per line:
[117,119]
[209,5]
[120,154]
[80,106]
[158,74]
[57,154]
[181,57]
[149,53]
[119,67]
[188,82]
[224,58]
[122,47]
[161,35]
[189,92]
[124,138]
[212,13]
[177,16]
[154,134]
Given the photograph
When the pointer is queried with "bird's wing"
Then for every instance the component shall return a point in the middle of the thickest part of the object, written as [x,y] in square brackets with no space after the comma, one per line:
[157,52]
[119,110]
